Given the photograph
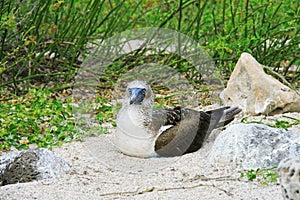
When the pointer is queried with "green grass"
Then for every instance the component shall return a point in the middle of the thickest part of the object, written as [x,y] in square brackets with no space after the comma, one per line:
[275,123]
[44,120]
[95,117]
[35,119]
[264,176]
[41,43]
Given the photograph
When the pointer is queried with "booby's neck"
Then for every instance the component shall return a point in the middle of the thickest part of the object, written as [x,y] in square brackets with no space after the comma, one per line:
[135,120]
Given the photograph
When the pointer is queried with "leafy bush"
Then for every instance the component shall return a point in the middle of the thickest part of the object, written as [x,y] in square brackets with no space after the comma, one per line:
[36,118]
[41,118]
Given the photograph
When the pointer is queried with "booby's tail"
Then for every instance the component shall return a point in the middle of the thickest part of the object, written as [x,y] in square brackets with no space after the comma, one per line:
[222,116]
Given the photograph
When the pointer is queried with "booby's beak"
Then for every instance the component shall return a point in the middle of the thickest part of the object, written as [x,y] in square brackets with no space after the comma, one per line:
[137,95]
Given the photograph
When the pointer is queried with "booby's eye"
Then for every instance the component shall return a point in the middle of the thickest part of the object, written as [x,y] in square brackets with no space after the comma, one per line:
[130,91]
[143,91]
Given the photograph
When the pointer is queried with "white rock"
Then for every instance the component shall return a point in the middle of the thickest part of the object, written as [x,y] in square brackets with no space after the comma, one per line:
[289,175]
[257,92]
[252,146]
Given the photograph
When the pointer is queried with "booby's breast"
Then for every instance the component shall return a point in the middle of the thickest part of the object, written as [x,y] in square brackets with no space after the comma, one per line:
[131,137]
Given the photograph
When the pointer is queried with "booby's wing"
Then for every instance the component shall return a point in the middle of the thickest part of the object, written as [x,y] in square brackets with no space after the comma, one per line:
[187,133]
[165,118]
[189,129]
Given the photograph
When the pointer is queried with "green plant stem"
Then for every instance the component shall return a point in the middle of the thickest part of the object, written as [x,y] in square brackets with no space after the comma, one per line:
[281,77]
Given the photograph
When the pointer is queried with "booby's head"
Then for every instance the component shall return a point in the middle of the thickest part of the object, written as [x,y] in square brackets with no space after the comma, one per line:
[139,93]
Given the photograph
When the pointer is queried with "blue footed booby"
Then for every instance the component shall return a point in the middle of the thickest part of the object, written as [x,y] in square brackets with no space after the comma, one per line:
[144,132]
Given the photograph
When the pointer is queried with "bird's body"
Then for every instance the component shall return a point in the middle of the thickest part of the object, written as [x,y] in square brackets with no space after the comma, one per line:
[142,132]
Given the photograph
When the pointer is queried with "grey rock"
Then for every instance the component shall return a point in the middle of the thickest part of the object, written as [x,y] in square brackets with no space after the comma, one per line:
[251,146]
[256,92]
[29,165]
[289,176]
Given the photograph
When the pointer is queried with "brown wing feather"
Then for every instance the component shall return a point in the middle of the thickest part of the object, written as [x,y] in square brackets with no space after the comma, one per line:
[186,136]
[190,129]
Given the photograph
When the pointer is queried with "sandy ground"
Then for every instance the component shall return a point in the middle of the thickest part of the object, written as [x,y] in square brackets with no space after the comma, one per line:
[100,171]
